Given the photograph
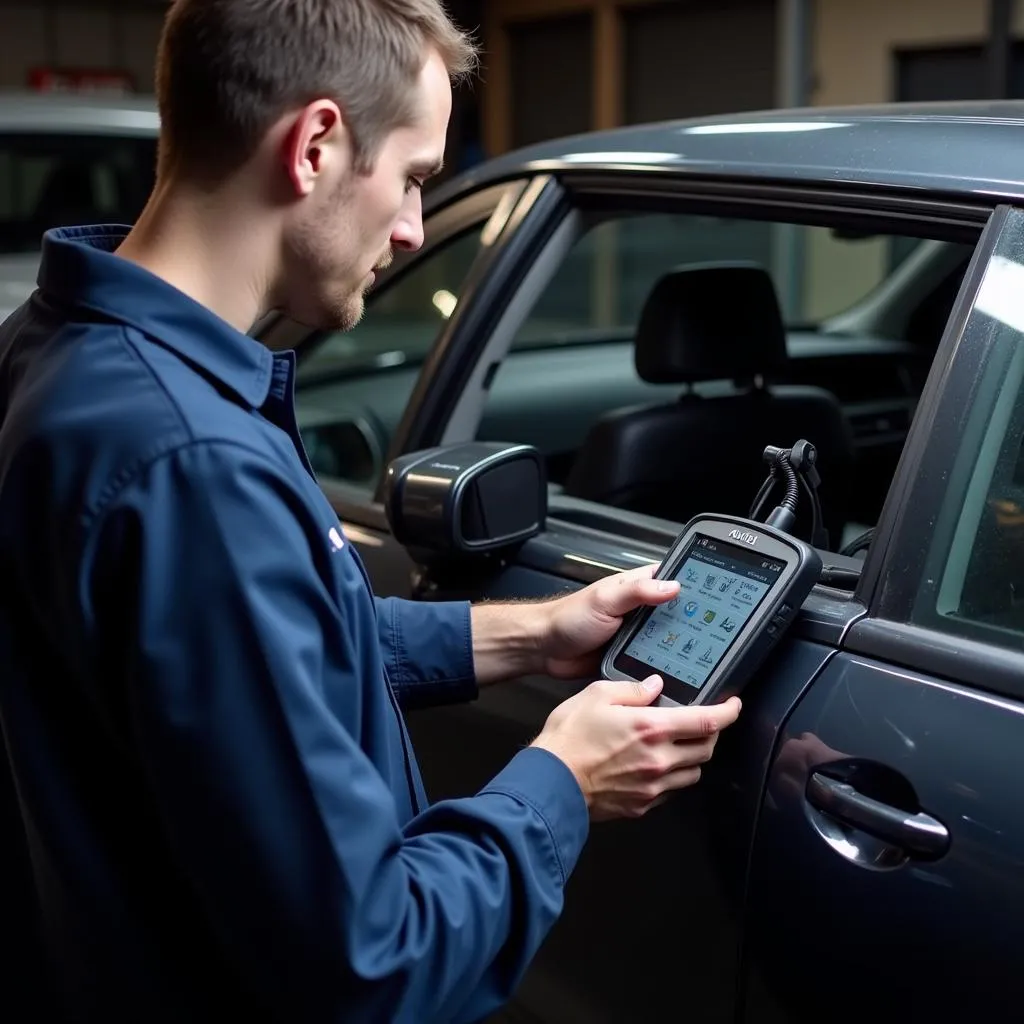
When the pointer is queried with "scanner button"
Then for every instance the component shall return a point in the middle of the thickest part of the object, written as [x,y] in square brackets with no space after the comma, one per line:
[784,611]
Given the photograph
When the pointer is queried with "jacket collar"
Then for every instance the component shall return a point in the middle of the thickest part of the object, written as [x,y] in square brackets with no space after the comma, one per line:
[80,269]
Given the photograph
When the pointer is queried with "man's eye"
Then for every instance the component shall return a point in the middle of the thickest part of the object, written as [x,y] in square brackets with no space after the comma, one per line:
[413,183]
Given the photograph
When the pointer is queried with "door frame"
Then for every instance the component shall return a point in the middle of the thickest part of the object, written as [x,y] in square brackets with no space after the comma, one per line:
[899,563]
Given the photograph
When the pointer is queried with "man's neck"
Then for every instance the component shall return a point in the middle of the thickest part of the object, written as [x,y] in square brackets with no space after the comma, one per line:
[203,249]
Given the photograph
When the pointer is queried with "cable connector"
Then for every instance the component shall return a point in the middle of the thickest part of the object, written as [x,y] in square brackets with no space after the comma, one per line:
[798,465]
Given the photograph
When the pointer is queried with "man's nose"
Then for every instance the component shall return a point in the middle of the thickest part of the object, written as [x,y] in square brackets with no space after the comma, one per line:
[408,234]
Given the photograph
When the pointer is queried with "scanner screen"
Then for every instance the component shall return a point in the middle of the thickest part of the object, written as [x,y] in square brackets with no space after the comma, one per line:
[720,587]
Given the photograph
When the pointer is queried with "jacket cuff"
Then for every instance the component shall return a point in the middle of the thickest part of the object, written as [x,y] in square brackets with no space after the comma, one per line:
[428,650]
[540,780]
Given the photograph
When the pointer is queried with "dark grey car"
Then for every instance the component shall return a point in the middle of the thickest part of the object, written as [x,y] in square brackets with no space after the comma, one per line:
[856,848]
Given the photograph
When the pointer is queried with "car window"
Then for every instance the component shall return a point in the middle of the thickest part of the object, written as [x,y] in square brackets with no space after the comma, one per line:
[352,391]
[403,319]
[52,180]
[974,585]
[863,312]
[819,273]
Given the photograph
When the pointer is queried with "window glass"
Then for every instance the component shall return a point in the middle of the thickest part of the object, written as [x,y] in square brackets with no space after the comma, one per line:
[403,320]
[353,389]
[52,180]
[975,582]
[600,288]
[845,299]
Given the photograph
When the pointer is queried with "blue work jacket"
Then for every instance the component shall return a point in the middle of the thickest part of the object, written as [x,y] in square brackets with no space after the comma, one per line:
[209,804]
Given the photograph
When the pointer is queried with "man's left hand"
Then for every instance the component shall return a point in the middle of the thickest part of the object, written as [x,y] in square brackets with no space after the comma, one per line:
[579,625]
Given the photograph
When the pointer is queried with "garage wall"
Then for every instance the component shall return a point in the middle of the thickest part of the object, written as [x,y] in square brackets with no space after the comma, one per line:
[106,36]
[854,42]
[854,46]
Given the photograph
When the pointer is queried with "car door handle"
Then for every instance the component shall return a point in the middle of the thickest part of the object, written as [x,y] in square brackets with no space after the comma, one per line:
[919,834]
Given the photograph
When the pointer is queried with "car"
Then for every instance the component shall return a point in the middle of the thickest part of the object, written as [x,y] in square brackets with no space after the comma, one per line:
[647,309]
[67,159]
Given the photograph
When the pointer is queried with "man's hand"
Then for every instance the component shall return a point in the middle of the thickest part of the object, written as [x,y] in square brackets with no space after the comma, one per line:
[628,757]
[562,637]
[579,625]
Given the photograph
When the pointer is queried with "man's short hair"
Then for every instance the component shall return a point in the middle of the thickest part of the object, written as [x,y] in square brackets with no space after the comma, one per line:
[227,69]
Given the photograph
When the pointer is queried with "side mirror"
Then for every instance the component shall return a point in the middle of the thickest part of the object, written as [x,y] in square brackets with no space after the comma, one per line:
[467,499]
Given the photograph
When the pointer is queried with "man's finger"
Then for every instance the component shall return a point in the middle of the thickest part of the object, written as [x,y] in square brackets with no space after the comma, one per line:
[632,590]
[693,723]
[680,778]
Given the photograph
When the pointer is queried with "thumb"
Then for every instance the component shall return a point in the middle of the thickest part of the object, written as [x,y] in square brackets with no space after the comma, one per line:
[634,590]
[632,693]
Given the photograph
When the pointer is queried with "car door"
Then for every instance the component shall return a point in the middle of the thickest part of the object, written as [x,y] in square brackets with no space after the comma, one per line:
[887,870]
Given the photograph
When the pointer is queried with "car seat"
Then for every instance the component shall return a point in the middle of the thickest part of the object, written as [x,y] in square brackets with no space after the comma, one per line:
[718,325]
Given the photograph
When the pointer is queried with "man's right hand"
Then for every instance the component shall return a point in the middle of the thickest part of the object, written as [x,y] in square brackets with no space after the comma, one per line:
[626,755]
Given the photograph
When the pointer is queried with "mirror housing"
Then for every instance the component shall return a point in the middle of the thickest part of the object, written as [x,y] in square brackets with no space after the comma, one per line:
[467,499]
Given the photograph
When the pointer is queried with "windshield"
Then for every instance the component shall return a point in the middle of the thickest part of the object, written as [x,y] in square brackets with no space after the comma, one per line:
[51,180]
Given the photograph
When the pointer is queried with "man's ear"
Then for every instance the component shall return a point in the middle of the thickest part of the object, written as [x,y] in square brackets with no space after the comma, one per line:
[315,138]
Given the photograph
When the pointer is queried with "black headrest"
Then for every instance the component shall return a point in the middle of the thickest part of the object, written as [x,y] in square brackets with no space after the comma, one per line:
[710,321]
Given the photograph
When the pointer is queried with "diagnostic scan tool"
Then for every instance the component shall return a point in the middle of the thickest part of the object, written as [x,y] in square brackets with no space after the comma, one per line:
[741,583]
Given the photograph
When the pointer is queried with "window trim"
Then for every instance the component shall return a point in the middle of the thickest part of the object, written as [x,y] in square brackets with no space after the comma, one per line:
[903,557]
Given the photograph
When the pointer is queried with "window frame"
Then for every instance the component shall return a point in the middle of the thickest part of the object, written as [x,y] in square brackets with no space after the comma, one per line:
[918,523]
[592,192]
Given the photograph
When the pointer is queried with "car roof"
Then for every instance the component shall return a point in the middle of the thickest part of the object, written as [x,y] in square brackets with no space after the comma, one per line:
[78,113]
[955,149]
[965,148]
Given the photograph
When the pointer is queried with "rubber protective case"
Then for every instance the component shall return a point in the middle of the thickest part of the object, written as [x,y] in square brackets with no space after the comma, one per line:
[759,633]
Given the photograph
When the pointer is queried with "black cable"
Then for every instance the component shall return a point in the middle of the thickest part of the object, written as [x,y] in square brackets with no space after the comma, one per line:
[792,496]
[783,516]
[839,577]
[858,543]
[762,494]
[819,535]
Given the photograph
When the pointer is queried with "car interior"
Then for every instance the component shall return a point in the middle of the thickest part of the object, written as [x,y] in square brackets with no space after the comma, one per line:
[670,414]
[722,323]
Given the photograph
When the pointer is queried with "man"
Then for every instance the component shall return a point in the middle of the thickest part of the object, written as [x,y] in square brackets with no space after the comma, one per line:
[215,810]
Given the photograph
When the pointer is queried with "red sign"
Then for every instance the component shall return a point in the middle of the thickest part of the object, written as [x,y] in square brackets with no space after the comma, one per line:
[80,80]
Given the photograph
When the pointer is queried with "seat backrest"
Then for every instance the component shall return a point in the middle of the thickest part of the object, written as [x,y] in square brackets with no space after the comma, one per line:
[703,453]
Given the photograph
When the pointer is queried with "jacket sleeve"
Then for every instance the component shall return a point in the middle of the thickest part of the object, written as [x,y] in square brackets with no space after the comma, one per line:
[212,582]
[428,650]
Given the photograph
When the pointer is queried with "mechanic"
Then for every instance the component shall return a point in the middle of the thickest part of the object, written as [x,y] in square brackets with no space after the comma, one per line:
[210,805]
